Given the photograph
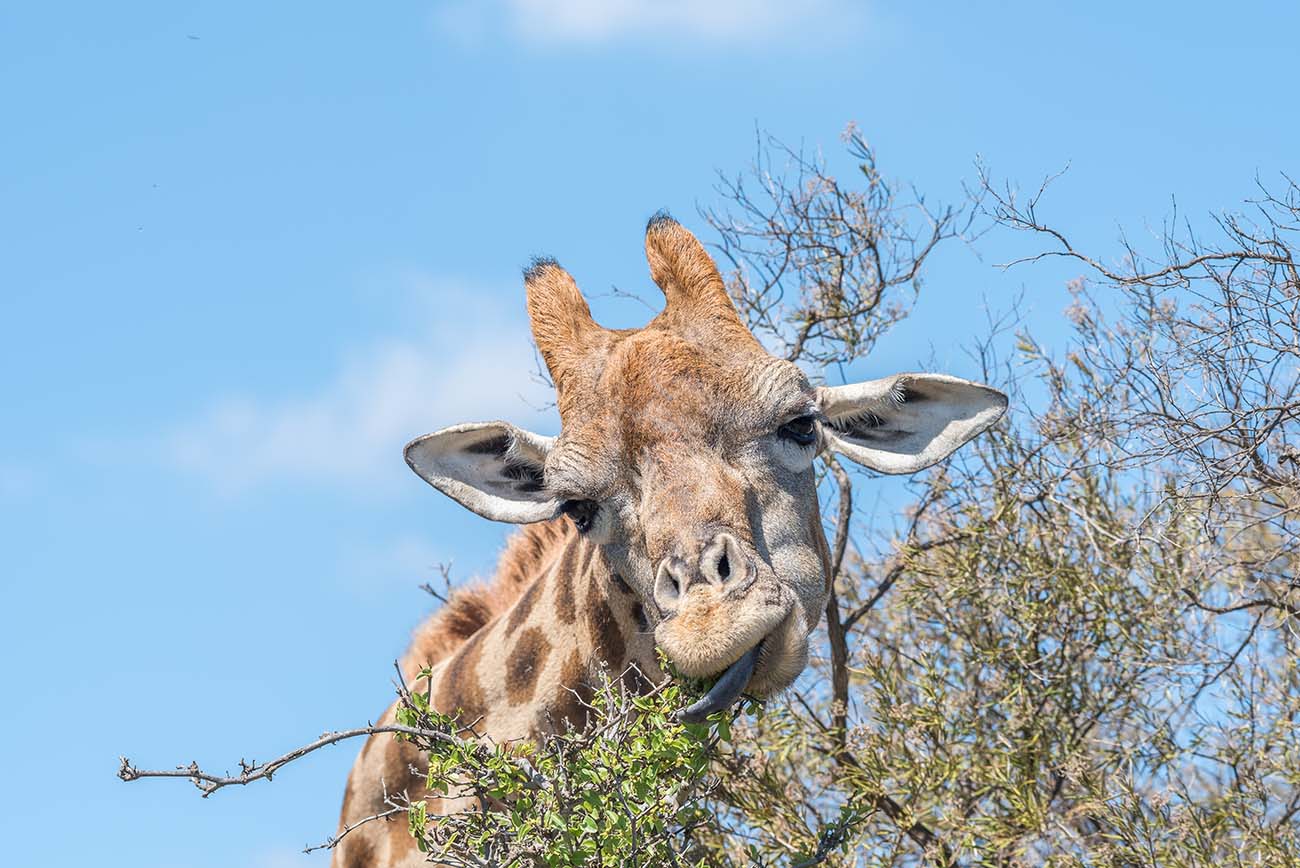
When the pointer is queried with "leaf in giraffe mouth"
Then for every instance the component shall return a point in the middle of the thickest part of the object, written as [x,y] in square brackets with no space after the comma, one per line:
[725,691]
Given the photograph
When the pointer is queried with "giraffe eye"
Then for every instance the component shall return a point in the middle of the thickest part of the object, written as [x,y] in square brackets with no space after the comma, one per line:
[801,430]
[581,512]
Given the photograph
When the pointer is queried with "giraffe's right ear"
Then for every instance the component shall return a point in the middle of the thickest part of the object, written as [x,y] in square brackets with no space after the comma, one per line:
[491,468]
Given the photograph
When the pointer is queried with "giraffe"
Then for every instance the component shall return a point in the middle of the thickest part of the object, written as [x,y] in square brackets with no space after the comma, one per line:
[677,509]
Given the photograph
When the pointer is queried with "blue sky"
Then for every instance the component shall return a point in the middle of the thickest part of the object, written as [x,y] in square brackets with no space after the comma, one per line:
[251,249]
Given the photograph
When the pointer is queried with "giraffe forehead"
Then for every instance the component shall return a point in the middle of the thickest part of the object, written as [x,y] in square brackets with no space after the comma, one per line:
[658,378]
[658,395]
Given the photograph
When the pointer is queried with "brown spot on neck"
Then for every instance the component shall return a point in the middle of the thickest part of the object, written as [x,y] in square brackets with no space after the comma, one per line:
[359,853]
[524,607]
[606,633]
[570,706]
[459,692]
[639,618]
[567,569]
[524,665]
[621,584]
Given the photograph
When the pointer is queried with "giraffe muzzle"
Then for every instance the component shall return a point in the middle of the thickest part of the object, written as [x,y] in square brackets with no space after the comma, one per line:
[725,691]
[722,565]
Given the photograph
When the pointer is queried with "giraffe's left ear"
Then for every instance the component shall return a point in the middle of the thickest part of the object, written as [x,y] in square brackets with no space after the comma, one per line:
[905,423]
[491,468]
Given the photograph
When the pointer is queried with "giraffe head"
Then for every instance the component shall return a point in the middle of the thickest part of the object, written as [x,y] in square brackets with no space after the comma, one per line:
[686,454]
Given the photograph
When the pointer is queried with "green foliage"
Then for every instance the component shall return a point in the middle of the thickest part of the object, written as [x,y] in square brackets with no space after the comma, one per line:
[628,790]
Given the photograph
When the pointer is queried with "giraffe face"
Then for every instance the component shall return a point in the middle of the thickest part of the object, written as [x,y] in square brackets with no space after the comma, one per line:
[692,468]
[686,453]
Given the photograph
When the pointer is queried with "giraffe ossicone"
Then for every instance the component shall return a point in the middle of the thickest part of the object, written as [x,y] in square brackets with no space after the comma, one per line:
[676,510]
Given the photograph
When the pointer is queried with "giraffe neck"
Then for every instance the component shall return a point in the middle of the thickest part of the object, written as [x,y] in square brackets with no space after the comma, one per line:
[531,669]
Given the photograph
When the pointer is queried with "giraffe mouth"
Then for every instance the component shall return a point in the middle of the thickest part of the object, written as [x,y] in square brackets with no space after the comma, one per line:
[726,690]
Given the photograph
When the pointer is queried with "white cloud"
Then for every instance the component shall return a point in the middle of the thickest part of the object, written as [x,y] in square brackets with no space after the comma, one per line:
[597,21]
[472,362]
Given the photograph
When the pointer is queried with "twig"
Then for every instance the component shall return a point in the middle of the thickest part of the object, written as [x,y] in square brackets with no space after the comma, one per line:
[834,627]
[333,841]
[209,783]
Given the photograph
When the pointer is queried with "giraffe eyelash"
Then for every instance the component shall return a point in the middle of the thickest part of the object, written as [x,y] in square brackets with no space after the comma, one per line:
[860,419]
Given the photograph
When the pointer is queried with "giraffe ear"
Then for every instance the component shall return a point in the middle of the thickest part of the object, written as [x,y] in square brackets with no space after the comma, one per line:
[491,468]
[905,423]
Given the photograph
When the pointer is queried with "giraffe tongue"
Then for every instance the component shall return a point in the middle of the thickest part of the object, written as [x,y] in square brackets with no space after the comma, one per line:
[726,691]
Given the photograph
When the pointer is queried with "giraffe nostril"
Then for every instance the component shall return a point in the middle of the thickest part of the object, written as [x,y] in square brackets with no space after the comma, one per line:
[668,588]
[723,561]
